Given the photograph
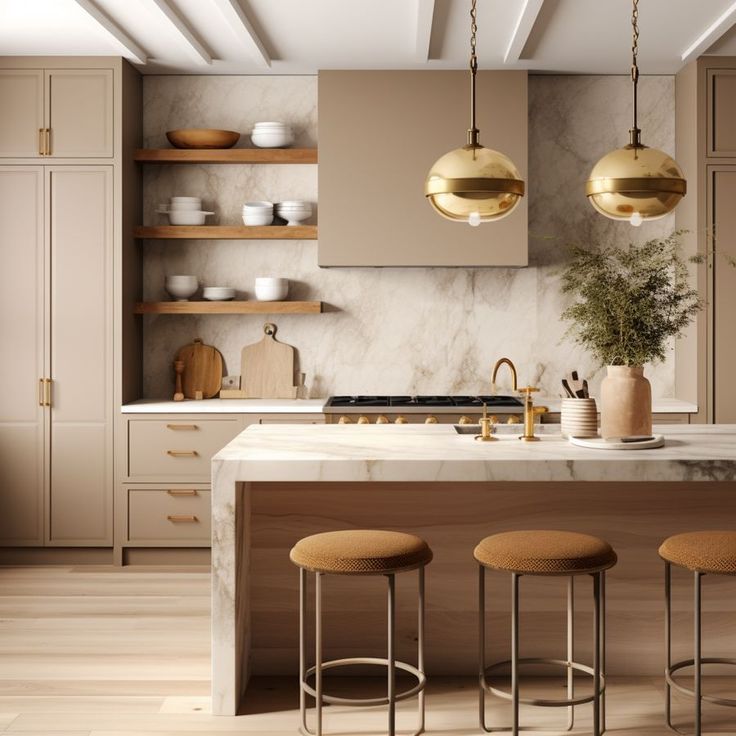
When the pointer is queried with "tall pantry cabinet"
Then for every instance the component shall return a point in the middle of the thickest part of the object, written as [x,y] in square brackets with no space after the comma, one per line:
[68,202]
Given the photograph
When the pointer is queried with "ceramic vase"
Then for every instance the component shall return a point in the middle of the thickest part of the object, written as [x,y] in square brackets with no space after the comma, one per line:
[626,402]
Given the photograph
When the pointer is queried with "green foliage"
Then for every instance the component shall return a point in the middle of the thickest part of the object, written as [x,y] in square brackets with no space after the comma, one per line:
[630,301]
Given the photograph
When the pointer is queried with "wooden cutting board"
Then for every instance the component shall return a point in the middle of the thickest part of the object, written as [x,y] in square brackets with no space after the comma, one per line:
[267,368]
[202,370]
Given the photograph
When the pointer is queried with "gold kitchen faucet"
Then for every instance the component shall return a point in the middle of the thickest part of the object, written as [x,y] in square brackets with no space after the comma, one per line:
[512,368]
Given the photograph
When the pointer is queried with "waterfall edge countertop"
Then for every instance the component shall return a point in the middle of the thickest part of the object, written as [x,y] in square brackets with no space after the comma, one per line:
[433,453]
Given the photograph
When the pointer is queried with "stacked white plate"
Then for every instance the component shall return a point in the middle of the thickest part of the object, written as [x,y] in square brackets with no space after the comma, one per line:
[272,135]
[294,211]
[579,418]
[257,213]
[184,211]
[218,293]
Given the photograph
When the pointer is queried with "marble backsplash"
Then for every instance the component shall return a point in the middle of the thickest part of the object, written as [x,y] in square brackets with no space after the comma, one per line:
[434,330]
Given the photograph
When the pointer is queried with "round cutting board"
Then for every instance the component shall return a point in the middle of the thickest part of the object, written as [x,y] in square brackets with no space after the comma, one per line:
[598,443]
[202,370]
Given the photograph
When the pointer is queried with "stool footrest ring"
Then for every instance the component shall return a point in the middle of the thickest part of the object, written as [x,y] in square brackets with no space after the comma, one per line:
[353,702]
[670,671]
[544,702]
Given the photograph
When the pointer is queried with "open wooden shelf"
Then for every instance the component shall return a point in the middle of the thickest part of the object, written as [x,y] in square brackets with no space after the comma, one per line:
[228,232]
[248,307]
[227,155]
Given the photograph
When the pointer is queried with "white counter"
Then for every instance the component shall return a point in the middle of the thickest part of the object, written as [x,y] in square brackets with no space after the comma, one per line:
[629,489]
[225,406]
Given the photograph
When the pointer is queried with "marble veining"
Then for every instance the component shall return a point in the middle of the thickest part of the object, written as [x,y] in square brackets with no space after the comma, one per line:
[422,330]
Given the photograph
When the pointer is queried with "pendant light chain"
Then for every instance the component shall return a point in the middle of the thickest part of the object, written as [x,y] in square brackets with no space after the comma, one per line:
[635,133]
[473,131]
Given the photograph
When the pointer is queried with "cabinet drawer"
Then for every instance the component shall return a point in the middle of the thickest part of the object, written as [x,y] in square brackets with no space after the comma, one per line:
[179,450]
[179,514]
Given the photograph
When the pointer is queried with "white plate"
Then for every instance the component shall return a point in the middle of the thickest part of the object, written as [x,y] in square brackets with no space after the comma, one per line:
[598,443]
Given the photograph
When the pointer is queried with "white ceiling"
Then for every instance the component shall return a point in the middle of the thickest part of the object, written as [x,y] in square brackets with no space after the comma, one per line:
[302,36]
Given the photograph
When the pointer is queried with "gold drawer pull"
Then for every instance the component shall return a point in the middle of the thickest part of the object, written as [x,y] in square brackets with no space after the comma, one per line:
[187,518]
[181,492]
[182,426]
[182,453]
[41,142]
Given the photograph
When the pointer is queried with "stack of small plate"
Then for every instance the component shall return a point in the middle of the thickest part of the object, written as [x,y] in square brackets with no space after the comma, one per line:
[218,293]
[294,211]
[272,135]
[257,213]
[579,418]
[184,211]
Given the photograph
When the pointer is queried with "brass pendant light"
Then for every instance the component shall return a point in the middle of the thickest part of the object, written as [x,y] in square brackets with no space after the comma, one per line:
[473,184]
[635,183]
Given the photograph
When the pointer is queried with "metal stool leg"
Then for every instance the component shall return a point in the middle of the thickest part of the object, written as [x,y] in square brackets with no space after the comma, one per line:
[570,650]
[302,649]
[697,653]
[668,642]
[515,652]
[318,650]
[420,648]
[596,653]
[482,648]
[603,651]
[391,656]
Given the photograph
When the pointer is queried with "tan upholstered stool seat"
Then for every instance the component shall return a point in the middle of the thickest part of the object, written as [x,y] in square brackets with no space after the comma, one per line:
[545,553]
[361,552]
[709,552]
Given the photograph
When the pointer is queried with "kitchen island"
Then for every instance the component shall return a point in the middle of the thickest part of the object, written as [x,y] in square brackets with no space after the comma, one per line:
[274,484]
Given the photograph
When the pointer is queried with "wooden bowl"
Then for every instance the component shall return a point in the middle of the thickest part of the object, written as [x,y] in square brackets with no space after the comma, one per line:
[202,138]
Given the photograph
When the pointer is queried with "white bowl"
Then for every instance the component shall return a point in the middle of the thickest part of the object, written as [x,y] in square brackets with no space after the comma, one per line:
[218,293]
[269,289]
[294,203]
[294,217]
[183,207]
[185,199]
[272,138]
[258,207]
[188,217]
[254,219]
[181,287]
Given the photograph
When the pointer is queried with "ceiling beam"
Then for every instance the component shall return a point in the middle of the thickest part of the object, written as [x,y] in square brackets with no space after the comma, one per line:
[192,42]
[522,31]
[425,14]
[130,48]
[711,34]
[243,29]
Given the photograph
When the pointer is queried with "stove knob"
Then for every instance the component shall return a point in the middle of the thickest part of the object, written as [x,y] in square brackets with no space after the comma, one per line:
[465,419]
[401,420]
[513,419]
[344,419]
[431,419]
[363,419]
[382,419]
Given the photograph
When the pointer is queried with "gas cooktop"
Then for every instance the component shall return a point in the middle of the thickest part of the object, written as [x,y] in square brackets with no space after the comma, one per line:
[422,401]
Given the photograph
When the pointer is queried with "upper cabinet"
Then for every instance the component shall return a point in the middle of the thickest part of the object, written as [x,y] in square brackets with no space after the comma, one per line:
[56,113]
[379,134]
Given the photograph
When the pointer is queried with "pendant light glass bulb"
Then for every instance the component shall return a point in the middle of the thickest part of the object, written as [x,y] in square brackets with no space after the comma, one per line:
[473,184]
[635,183]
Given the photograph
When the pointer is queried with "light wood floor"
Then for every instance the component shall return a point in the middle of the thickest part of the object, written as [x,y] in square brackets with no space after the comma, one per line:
[98,651]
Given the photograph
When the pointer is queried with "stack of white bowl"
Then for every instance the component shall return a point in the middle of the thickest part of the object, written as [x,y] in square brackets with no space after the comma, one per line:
[257,213]
[272,135]
[218,293]
[578,418]
[294,211]
[184,211]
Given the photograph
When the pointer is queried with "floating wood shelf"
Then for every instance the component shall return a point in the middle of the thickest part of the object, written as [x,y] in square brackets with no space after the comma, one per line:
[228,232]
[227,155]
[248,307]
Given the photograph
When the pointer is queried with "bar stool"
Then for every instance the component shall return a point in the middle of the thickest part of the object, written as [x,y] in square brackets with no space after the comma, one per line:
[359,552]
[546,553]
[702,553]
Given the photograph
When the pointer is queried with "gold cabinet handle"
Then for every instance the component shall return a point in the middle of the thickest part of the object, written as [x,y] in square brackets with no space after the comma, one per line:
[186,427]
[47,391]
[182,453]
[41,393]
[182,492]
[42,141]
[185,518]
[48,142]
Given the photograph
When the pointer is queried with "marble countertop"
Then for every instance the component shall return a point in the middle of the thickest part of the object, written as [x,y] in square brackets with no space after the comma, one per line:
[317,406]
[425,453]
[225,406]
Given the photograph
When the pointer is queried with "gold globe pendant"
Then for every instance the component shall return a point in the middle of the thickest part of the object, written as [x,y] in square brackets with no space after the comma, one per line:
[636,183]
[474,184]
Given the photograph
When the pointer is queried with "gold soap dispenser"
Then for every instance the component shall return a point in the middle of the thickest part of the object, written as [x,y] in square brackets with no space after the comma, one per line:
[485,427]
[529,414]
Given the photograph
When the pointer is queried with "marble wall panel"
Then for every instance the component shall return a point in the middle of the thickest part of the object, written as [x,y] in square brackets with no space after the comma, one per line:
[434,330]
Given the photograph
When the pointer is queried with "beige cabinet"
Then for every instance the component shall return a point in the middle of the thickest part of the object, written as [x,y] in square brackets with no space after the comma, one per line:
[56,420]
[56,113]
